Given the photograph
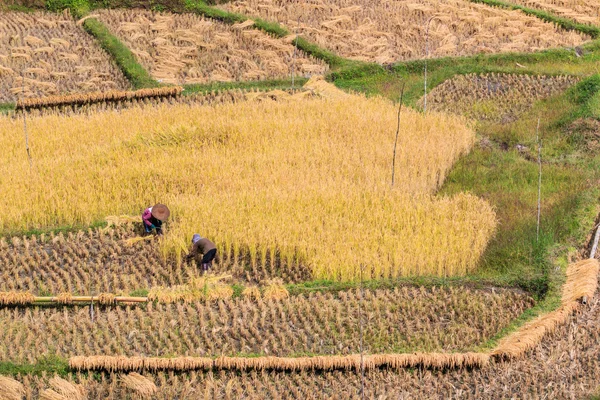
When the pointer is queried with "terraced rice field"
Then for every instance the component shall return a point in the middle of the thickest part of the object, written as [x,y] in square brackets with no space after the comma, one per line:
[46,54]
[391,31]
[186,48]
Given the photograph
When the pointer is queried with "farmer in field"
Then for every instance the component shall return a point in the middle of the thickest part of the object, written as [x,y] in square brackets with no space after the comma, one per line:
[153,218]
[206,248]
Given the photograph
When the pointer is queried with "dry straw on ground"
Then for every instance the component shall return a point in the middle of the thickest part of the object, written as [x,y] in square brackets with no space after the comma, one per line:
[187,48]
[275,290]
[62,389]
[390,31]
[141,386]
[311,197]
[11,389]
[44,54]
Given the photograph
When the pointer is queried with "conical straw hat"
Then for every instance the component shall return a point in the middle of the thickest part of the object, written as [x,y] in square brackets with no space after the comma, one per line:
[160,212]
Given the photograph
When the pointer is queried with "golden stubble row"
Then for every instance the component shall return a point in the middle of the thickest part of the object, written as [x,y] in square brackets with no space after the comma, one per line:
[187,48]
[44,54]
[114,261]
[327,324]
[308,182]
[390,31]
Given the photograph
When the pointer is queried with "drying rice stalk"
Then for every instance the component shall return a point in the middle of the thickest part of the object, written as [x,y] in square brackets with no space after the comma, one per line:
[323,363]
[11,389]
[64,298]
[275,290]
[62,389]
[90,98]
[252,292]
[582,280]
[142,386]
[106,299]
[198,288]
[16,298]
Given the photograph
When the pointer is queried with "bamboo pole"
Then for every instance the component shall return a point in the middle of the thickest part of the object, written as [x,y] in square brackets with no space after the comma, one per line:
[584,299]
[89,299]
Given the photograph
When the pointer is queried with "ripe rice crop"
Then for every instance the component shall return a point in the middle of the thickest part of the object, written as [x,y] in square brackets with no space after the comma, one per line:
[403,319]
[53,56]
[187,48]
[494,97]
[583,11]
[391,31]
[305,185]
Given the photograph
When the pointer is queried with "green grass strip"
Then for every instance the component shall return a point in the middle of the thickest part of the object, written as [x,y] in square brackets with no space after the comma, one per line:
[48,364]
[6,108]
[564,23]
[133,71]
[281,84]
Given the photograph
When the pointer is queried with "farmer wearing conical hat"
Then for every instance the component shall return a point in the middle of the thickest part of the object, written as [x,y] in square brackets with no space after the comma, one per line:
[206,248]
[153,218]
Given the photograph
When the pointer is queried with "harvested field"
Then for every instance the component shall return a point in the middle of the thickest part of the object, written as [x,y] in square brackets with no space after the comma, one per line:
[53,55]
[494,97]
[310,197]
[105,262]
[186,48]
[391,31]
[583,11]
[564,366]
[404,319]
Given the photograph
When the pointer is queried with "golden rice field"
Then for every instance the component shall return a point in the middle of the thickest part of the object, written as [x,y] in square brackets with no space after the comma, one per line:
[494,97]
[583,11]
[45,54]
[391,31]
[187,48]
[403,319]
[307,185]
[563,366]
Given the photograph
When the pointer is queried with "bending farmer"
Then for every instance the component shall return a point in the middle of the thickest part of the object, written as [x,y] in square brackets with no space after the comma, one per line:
[153,218]
[205,247]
